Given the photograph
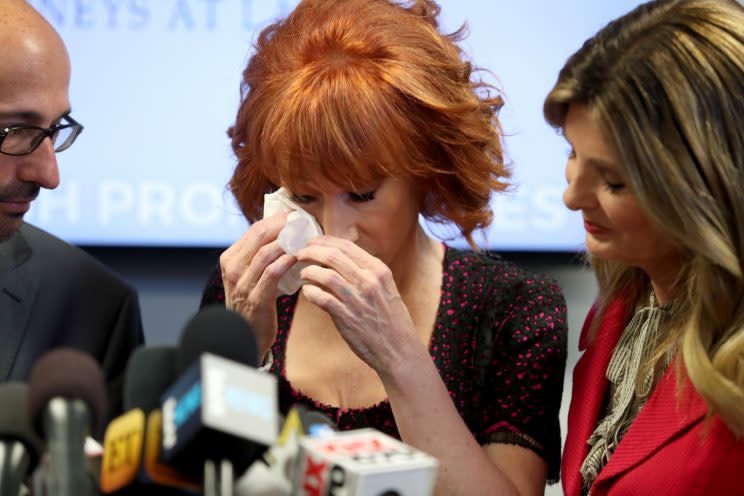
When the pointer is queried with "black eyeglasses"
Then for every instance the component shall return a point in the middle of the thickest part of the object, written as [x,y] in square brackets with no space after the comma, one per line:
[22,140]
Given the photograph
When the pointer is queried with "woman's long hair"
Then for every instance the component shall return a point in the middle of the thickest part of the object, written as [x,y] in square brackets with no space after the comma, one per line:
[665,86]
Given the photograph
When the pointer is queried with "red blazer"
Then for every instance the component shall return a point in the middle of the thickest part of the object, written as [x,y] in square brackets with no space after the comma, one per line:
[669,449]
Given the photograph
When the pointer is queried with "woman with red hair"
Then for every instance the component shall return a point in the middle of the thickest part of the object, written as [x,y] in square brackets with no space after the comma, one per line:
[367,116]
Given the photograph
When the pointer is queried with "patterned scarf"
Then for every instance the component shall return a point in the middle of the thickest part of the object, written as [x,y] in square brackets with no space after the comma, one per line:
[640,339]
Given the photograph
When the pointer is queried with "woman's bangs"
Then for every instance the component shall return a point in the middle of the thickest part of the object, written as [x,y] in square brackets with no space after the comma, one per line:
[344,133]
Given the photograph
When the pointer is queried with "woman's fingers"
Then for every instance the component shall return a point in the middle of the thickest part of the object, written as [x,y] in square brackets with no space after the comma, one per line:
[329,279]
[351,269]
[267,284]
[322,299]
[240,254]
[252,271]
[326,246]
[332,258]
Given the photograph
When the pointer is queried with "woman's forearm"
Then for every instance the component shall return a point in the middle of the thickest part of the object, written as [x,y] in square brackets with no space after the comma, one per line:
[428,420]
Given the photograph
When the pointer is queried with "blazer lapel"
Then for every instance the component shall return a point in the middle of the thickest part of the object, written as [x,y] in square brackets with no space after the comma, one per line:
[17,293]
[589,390]
[666,414]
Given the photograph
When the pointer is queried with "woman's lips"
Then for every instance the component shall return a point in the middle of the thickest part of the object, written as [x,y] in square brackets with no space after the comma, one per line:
[594,228]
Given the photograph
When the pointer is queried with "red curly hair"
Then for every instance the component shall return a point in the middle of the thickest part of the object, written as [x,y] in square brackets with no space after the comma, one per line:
[351,91]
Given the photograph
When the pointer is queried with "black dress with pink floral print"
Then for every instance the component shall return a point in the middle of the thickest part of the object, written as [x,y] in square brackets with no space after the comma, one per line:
[499,343]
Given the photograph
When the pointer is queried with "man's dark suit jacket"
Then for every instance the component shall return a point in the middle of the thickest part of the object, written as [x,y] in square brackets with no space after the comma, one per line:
[53,294]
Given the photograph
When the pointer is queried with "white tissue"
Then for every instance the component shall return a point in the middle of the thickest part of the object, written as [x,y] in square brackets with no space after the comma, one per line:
[300,227]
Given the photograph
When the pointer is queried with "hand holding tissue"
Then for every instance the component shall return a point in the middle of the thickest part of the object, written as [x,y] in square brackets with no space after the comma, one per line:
[300,227]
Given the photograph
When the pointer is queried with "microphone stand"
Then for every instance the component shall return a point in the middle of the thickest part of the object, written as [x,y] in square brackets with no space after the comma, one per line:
[14,463]
[219,479]
[65,426]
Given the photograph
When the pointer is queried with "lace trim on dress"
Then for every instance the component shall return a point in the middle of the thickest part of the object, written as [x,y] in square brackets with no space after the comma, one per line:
[517,438]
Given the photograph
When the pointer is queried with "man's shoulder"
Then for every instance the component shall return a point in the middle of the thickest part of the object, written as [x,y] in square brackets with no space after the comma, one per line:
[40,239]
[59,258]
[49,249]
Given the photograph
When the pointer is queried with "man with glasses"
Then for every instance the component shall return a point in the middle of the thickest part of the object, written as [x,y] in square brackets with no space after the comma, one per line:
[51,293]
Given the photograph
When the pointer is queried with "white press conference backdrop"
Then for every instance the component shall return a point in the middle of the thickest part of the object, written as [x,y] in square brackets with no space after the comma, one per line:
[156,84]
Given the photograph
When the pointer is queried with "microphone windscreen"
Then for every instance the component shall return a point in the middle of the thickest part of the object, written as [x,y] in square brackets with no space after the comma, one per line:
[150,371]
[315,423]
[218,331]
[67,373]
[14,419]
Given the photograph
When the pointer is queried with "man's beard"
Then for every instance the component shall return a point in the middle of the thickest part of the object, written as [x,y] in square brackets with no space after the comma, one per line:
[19,190]
[14,192]
[7,236]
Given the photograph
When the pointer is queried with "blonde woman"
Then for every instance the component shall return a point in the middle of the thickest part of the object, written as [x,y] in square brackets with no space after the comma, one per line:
[652,107]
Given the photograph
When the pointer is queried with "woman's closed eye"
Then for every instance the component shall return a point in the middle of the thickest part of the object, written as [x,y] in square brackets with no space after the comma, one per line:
[353,197]
[362,197]
[612,181]
[302,199]
[614,187]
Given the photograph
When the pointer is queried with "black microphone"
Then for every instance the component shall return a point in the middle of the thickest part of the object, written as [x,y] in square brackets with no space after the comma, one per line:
[67,400]
[129,465]
[150,371]
[20,447]
[221,414]
[221,332]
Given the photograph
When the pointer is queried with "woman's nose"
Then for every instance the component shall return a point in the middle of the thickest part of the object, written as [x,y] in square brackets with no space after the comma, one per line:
[339,220]
[579,194]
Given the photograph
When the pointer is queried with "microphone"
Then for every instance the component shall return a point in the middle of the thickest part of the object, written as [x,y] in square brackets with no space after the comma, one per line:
[122,451]
[67,399]
[218,410]
[19,445]
[362,462]
[128,465]
[131,465]
[157,472]
[273,474]
[219,331]
[221,414]
[150,371]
